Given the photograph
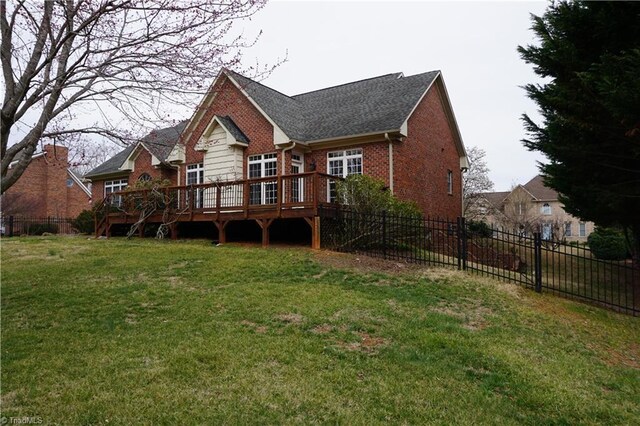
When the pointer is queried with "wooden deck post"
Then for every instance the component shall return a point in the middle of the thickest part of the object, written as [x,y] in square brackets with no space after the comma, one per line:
[265,224]
[222,233]
[173,230]
[141,230]
[314,223]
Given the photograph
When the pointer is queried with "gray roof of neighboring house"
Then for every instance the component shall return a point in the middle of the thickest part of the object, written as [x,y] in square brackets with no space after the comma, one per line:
[159,142]
[496,198]
[367,106]
[538,189]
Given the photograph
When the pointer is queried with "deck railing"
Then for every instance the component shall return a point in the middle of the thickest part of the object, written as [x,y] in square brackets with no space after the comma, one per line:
[277,193]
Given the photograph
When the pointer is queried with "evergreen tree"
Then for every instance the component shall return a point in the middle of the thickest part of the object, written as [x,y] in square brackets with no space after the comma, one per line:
[589,57]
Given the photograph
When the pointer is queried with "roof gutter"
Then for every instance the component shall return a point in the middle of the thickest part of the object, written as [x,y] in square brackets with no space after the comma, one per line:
[386,136]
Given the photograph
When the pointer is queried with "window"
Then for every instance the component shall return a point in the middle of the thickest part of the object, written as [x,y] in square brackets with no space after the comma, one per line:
[583,229]
[262,166]
[115,186]
[567,229]
[69,182]
[195,176]
[449,182]
[145,177]
[520,208]
[546,209]
[343,164]
[546,231]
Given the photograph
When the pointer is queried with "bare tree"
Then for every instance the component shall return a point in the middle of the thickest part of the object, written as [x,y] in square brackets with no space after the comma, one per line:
[475,181]
[69,64]
[520,214]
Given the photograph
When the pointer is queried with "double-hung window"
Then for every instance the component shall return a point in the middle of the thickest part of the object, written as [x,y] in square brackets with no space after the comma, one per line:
[582,229]
[343,163]
[263,166]
[546,209]
[567,229]
[449,182]
[195,176]
[115,186]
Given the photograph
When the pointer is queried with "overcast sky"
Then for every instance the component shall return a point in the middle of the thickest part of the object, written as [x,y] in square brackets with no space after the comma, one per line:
[472,43]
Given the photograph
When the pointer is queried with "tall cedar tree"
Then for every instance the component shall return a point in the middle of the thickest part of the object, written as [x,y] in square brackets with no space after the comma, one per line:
[589,55]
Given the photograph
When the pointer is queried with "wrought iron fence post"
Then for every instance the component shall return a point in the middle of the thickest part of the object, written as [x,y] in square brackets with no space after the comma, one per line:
[11,226]
[384,234]
[459,242]
[537,259]
[463,224]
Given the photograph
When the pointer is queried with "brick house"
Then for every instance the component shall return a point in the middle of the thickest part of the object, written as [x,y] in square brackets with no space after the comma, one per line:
[399,129]
[47,188]
[531,207]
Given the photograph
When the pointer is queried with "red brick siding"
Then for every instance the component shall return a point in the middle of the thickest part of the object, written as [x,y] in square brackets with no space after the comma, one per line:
[230,101]
[375,159]
[422,160]
[42,189]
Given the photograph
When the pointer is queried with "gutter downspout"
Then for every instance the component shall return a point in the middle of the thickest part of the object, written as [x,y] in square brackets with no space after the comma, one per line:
[386,136]
[293,145]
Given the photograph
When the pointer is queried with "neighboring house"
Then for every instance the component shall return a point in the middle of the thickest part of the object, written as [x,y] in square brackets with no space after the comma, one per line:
[531,207]
[47,188]
[399,129]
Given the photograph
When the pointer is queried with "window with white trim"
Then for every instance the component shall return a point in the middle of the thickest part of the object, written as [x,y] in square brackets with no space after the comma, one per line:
[449,182]
[545,209]
[343,163]
[115,186]
[567,229]
[195,176]
[145,177]
[262,166]
[583,229]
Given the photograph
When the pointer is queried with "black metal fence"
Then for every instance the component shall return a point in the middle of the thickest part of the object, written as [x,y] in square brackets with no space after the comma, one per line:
[11,226]
[562,268]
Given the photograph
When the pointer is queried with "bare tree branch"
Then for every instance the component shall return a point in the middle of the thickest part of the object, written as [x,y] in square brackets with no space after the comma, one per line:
[62,60]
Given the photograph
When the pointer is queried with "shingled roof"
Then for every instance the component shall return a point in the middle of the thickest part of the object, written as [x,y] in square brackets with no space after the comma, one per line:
[538,189]
[159,142]
[373,105]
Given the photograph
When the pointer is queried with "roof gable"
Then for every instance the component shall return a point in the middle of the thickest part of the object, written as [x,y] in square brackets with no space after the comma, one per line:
[159,143]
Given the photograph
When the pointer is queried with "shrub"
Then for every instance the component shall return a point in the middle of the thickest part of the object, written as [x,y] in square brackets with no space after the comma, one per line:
[85,222]
[608,244]
[365,194]
[41,228]
[478,228]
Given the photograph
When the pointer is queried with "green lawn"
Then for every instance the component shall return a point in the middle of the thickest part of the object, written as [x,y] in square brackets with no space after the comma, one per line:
[161,332]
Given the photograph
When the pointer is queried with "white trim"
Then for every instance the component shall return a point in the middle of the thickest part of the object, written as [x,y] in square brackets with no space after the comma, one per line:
[41,154]
[405,124]
[464,162]
[79,182]
[358,135]
[230,139]
[201,108]
[279,136]
[129,162]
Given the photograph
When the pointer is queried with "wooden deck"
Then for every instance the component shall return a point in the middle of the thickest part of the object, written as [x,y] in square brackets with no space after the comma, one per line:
[262,200]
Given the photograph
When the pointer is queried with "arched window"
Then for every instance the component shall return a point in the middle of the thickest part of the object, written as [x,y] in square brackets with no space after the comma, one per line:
[145,177]
[546,208]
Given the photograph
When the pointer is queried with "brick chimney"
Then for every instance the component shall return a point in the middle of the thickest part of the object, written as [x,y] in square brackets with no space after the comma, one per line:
[58,155]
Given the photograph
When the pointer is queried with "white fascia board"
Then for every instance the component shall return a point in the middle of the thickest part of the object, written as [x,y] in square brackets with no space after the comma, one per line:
[357,135]
[177,154]
[279,136]
[78,182]
[41,154]
[405,124]
[462,152]
[129,163]
[202,107]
